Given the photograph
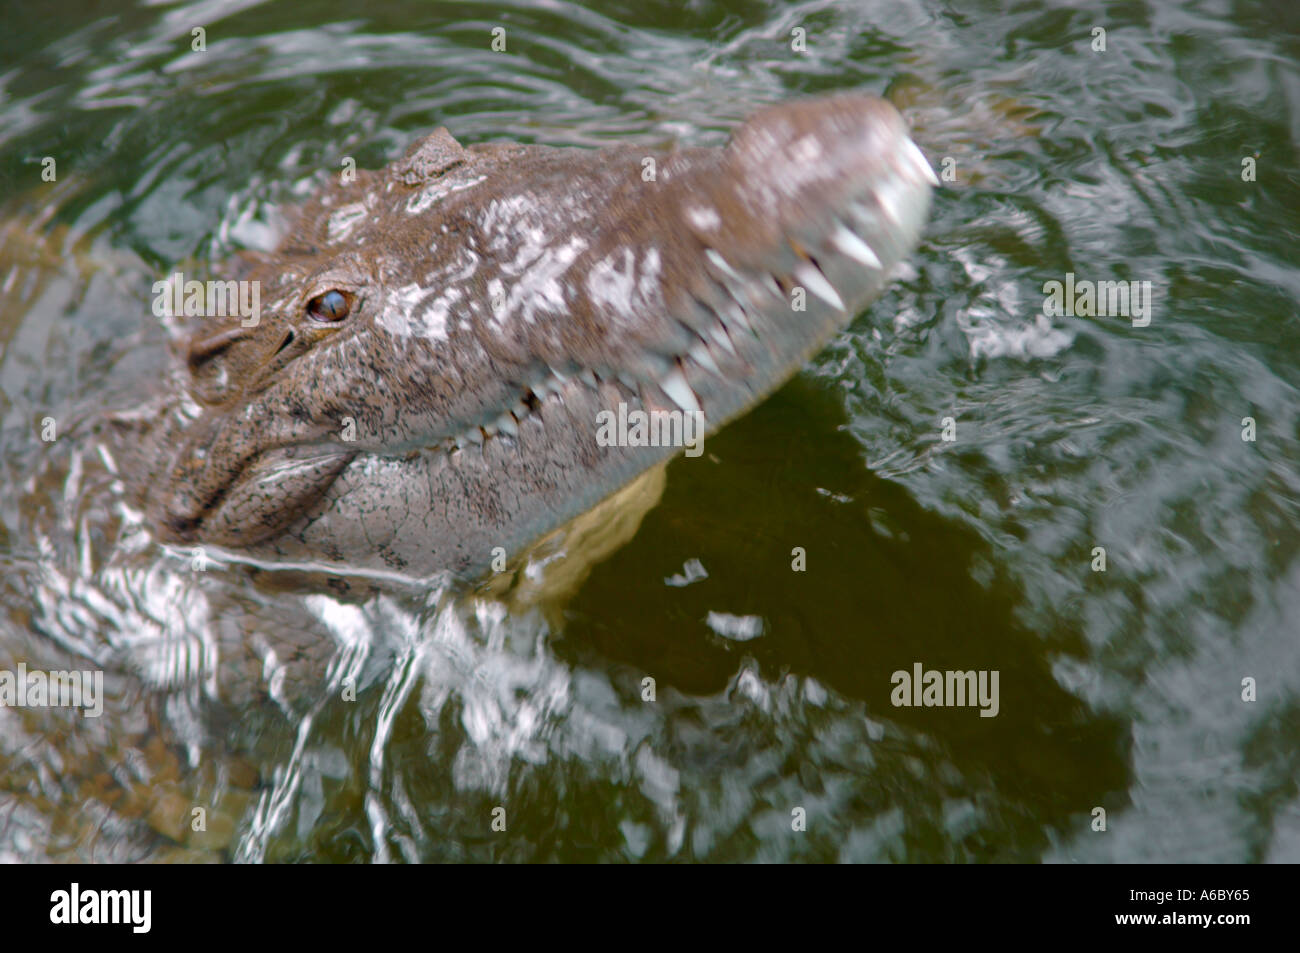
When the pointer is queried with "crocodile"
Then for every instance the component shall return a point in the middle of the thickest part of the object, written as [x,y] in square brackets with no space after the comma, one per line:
[438,340]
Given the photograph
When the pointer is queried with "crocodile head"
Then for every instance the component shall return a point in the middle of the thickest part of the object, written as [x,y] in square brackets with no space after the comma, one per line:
[437,339]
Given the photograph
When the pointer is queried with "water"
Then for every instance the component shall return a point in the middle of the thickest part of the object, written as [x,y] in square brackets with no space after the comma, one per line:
[1120,690]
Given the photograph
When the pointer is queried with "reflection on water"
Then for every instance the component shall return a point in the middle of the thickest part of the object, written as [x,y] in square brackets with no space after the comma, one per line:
[697,696]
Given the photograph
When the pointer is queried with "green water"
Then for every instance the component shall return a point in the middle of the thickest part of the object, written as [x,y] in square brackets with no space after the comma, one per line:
[1119,689]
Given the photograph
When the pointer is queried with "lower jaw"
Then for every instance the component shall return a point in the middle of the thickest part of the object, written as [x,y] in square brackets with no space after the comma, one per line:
[487,502]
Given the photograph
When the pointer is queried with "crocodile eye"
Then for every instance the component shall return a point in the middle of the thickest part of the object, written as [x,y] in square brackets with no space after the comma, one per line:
[330,306]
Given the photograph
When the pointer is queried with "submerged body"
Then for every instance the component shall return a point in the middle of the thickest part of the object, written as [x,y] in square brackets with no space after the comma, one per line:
[440,341]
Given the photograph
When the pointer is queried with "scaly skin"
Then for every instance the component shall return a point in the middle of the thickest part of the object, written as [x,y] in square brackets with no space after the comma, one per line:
[497,298]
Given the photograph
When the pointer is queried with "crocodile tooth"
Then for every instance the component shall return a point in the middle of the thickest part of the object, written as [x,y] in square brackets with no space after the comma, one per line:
[888,197]
[723,340]
[738,315]
[557,376]
[699,353]
[769,282]
[507,424]
[815,281]
[738,295]
[847,241]
[678,391]
[722,264]
[919,162]
[588,377]
[475,436]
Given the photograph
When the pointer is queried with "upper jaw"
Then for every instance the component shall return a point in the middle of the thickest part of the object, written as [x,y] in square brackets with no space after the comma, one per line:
[740,264]
[717,282]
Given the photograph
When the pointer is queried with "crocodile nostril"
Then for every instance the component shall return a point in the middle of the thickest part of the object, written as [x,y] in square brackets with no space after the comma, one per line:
[288,339]
[204,350]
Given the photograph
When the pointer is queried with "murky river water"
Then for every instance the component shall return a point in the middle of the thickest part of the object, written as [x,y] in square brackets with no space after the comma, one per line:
[300,721]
